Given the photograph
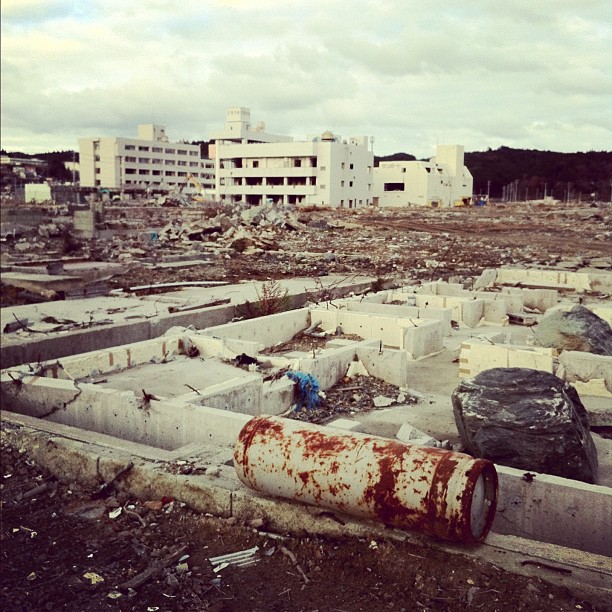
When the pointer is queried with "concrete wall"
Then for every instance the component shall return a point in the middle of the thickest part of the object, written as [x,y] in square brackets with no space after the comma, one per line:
[268,331]
[556,510]
[477,356]
[590,374]
[589,281]
[420,337]
[162,424]
[407,312]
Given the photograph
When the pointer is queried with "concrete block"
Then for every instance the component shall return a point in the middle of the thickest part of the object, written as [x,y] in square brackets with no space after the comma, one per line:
[595,387]
[331,365]
[494,311]
[580,368]
[277,396]
[530,358]
[328,317]
[487,278]
[345,425]
[236,395]
[200,319]
[602,311]
[226,348]
[424,339]
[470,312]
[411,435]
[477,356]
[390,365]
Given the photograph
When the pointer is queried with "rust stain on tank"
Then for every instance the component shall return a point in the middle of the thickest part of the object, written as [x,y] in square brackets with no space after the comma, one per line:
[129,357]
[319,444]
[111,359]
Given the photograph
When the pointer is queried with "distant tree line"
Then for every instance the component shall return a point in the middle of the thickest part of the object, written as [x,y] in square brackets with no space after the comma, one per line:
[532,174]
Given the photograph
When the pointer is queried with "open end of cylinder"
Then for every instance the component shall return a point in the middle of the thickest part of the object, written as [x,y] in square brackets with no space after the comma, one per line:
[484,502]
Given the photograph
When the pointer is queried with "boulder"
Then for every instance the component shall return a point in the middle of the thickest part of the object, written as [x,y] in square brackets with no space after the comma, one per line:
[576,330]
[526,419]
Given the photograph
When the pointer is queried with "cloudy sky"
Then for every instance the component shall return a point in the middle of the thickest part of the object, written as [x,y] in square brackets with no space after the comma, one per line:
[483,73]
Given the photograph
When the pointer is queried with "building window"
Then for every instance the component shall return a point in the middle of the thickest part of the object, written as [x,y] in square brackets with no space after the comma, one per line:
[297,163]
[130,148]
[156,161]
[171,151]
[143,148]
[182,174]
[97,170]
[394,186]
[193,153]
[341,183]
[157,149]
[156,172]
[193,164]
[351,182]
[141,171]
[169,162]
[351,167]
[182,163]
[342,165]
[170,173]
[255,163]
[182,152]
[130,170]
[144,160]
[129,158]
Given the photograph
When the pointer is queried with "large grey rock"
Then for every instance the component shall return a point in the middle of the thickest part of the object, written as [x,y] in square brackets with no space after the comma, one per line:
[576,330]
[526,419]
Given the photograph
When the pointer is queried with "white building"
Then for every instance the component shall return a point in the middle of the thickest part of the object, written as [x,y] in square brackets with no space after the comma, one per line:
[443,181]
[147,163]
[256,167]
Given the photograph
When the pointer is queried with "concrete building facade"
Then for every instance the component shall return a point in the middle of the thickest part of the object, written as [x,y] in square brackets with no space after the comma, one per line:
[441,182]
[256,167]
[147,163]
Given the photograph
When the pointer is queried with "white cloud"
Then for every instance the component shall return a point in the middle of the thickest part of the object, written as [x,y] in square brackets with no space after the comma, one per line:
[484,73]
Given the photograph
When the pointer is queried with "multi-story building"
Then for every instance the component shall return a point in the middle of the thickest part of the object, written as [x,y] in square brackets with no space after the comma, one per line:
[443,181]
[148,163]
[256,167]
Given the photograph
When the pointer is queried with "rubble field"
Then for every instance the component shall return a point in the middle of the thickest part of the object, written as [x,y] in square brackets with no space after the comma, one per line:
[164,244]
[68,547]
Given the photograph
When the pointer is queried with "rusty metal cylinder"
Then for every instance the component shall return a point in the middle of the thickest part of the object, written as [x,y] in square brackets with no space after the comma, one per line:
[444,494]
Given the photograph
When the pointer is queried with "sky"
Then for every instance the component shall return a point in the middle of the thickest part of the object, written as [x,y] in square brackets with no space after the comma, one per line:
[533,74]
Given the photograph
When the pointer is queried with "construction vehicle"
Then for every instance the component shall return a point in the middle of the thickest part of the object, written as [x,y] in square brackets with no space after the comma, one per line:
[201,193]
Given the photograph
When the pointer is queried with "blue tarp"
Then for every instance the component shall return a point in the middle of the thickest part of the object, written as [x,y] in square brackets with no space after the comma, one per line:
[307,390]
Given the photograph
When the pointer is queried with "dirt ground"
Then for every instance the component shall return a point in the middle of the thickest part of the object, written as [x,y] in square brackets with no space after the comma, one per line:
[61,549]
